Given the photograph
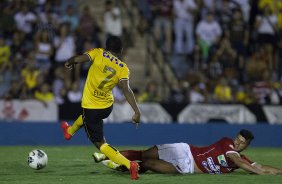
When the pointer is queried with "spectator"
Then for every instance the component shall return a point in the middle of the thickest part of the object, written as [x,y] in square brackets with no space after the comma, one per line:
[64,44]
[16,90]
[5,53]
[75,94]
[162,11]
[44,94]
[208,32]
[244,6]
[239,36]
[262,89]
[244,95]
[184,11]
[196,95]
[266,25]
[43,50]
[178,93]
[25,20]
[112,20]
[225,54]
[206,6]
[70,18]
[19,46]
[88,28]
[224,13]
[150,94]
[48,18]
[222,92]
[30,75]
[7,22]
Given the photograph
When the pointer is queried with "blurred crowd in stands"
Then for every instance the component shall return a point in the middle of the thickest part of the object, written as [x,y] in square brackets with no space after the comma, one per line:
[223,51]
[231,48]
[37,37]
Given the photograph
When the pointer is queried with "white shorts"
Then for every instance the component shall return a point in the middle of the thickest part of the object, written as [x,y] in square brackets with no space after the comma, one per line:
[179,155]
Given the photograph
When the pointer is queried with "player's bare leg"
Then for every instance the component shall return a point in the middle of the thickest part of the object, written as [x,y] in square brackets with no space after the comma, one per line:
[151,153]
[159,166]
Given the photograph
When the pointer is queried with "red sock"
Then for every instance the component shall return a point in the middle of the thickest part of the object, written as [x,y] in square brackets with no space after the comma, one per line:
[132,155]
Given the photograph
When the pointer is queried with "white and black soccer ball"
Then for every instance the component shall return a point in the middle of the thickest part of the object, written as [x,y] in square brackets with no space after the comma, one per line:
[37,159]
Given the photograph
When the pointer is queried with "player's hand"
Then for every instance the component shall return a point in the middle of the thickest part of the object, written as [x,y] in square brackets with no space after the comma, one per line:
[136,118]
[69,65]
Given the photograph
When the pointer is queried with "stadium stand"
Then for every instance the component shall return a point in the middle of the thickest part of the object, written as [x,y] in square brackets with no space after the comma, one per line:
[239,65]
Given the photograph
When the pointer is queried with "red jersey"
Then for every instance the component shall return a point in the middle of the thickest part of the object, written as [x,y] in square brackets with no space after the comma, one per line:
[212,159]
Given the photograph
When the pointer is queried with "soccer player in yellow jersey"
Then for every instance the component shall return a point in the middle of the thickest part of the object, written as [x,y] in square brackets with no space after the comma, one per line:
[106,71]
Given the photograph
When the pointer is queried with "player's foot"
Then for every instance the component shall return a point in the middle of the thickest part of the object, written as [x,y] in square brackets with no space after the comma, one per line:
[110,164]
[134,167]
[65,126]
[98,157]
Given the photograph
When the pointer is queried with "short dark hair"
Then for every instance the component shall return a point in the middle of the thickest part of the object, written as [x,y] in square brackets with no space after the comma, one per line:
[114,44]
[248,135]
[108,2]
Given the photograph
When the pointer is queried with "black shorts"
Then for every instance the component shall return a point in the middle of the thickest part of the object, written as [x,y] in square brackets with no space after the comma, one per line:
[93,122]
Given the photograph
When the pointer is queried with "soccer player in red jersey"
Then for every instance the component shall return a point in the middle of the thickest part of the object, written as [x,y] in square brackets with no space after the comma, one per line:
[224,156]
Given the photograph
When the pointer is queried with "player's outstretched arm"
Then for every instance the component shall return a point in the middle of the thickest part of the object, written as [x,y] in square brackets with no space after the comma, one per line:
[69,64]
[269,169]
[243,164]
[129,95]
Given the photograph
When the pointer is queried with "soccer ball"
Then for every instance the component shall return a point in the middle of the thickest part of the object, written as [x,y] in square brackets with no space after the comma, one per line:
[37,159]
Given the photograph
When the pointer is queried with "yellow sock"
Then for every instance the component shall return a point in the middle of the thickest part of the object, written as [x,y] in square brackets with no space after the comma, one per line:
[114,155]
[76,125]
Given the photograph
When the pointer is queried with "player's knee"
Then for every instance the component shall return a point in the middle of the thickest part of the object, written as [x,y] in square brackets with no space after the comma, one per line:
[148,164]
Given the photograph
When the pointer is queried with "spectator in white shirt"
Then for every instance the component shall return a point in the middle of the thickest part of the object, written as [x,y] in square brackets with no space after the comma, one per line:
[24,20]
[208,32]
[64,44]
[75,94]
[195,95]
[112,20]
[184,11]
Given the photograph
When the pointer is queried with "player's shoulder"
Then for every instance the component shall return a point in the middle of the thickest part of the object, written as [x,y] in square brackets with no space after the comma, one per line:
[226,140]
[95,50]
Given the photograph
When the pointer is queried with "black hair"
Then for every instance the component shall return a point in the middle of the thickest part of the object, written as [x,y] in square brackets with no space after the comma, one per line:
[114,44]
[108,2]
[248,135]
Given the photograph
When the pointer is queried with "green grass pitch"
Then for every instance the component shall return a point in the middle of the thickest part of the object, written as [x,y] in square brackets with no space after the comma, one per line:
[74,164]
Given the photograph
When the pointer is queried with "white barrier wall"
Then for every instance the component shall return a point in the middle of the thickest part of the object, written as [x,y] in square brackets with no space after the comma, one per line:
[202,113]
[36,111]
[273,114]
[28,110]
[151,113]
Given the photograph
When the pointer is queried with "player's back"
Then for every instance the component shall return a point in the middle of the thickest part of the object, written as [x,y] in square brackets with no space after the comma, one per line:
[212,158]
[104,73]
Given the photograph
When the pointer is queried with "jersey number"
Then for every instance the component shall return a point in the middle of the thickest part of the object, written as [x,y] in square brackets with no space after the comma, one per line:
[108,78]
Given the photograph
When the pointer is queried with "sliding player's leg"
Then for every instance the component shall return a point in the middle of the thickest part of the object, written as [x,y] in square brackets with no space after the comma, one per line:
[131,155]
[159,166]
